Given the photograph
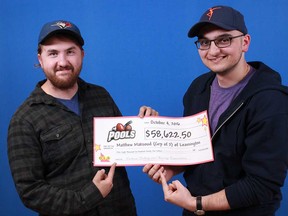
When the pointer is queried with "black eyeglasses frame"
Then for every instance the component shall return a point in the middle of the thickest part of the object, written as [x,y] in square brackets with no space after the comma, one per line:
[197,43]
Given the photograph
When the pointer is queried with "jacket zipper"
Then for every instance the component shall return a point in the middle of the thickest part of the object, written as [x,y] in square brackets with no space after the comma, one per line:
[227,119]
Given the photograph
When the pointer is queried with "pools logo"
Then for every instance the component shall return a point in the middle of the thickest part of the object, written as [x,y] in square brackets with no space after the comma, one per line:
[121,131]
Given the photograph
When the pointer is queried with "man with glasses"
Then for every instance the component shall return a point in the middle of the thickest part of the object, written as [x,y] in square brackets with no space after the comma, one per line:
[248,115]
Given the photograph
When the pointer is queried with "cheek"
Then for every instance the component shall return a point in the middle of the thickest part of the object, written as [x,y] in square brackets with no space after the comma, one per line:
[48,65]
[202,54]
[77,63]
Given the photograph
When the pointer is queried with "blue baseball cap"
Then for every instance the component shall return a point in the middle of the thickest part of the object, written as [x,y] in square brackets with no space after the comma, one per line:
[224,17]
[60,27]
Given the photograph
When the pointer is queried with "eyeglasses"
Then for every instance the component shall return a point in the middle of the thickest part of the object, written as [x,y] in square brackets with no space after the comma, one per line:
[221,42]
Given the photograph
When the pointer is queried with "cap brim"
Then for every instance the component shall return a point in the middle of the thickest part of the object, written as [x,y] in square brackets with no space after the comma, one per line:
[194,31]
[64,31]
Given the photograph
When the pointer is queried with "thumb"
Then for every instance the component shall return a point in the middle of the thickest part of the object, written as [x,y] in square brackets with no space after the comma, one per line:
[100,175]
[177,183]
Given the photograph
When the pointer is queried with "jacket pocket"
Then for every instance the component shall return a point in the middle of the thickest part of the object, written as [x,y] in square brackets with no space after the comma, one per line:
[59,144]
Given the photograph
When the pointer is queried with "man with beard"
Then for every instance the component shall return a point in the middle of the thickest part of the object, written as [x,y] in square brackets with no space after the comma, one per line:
[50,145]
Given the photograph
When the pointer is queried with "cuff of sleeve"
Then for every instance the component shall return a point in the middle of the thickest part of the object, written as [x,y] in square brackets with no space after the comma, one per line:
[230,198]
[91,196]
[238,196]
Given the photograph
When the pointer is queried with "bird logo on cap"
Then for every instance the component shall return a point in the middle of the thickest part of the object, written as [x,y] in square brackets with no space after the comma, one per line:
[63,25]
[211,11]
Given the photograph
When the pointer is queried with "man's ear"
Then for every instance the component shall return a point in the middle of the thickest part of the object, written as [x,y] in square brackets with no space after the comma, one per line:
[39,59]
[246,42]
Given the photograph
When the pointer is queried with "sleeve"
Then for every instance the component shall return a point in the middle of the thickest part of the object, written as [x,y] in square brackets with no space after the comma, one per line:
[265,160]
[28,171]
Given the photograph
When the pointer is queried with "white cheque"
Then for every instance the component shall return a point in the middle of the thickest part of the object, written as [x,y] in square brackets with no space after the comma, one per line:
[134,141]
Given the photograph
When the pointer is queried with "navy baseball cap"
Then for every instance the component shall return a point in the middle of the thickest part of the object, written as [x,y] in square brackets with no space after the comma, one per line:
[60,26]
[222,16]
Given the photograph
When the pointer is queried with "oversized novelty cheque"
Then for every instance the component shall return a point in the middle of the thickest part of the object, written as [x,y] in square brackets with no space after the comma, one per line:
[135,141]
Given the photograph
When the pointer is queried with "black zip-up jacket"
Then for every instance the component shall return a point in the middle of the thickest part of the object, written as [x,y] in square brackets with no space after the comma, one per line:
[250,144]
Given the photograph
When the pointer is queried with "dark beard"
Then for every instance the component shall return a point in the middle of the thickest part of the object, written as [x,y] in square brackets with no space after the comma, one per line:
[67,83]
[64,84]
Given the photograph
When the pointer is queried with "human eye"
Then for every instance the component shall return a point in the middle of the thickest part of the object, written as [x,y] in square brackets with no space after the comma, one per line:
[52,54]
[204,42]
[70,52]
[223,40]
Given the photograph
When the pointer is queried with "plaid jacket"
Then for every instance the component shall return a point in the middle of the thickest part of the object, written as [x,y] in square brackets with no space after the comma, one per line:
[50,150]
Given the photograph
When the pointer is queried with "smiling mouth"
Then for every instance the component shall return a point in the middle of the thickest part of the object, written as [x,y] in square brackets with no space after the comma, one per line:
[64,72]
[217,60]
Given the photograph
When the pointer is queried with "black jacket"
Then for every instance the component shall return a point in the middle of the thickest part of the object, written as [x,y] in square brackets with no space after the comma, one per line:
[250,144]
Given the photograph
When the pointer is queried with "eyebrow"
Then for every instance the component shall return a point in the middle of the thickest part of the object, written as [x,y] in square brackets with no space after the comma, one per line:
[55,50]
[219,36]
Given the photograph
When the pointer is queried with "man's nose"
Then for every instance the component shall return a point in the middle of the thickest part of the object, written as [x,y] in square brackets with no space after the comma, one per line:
[213,48]
[62,60]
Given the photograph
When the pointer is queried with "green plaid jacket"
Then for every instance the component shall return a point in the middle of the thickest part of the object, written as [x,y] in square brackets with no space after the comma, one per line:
[50,150]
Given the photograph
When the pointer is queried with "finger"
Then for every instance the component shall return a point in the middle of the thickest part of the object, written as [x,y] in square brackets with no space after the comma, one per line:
[112,171]
[143,111]
[147,167]
[176,183]
[153,170]
[164,182]
[163,171]
[153,113]
[100,175]
[172,187]
[156,177]
[148,111]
